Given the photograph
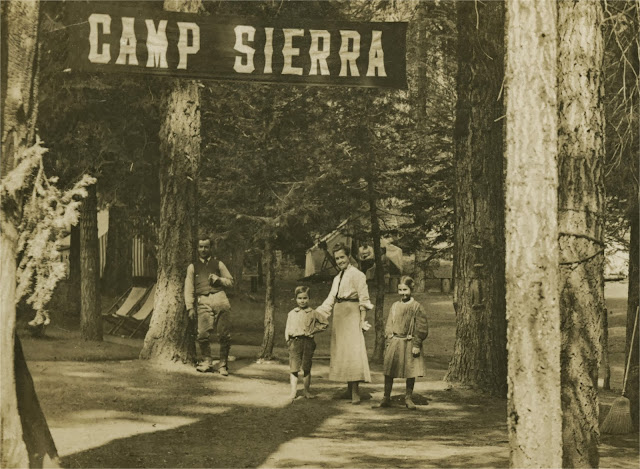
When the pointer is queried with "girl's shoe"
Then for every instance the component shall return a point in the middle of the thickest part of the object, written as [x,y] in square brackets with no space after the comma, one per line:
[409,403]
[47,321]
[385,402]
[342,395]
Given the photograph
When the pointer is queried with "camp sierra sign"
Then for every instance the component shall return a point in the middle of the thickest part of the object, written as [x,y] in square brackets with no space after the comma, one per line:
[315,52]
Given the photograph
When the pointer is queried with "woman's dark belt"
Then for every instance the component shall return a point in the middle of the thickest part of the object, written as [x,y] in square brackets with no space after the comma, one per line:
[342,300]
[403,336]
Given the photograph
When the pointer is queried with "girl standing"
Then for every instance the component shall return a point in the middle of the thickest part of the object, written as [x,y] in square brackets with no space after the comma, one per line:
[406,329]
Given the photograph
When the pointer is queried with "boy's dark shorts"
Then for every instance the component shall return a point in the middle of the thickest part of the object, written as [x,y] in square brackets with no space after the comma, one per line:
[301,353]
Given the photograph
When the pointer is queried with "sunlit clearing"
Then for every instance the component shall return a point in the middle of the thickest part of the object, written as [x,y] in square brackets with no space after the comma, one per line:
[92,429]
[333,452]
[84,374]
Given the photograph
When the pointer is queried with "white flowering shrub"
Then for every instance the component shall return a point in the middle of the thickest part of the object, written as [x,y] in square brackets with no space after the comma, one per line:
[47,215]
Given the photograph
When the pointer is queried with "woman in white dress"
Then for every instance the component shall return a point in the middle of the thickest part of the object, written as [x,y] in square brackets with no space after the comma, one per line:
[348,301]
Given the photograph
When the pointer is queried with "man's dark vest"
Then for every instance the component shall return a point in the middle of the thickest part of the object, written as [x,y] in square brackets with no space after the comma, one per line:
[203,270]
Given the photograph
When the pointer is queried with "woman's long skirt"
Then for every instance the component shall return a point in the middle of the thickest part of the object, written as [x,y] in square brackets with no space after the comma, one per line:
[349,360]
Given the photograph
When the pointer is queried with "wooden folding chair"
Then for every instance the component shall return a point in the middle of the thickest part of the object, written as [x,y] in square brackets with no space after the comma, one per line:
[135,321]
[131,303]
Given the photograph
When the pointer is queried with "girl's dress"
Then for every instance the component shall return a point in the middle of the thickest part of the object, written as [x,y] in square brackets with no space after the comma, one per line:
[349,360]
[407,327]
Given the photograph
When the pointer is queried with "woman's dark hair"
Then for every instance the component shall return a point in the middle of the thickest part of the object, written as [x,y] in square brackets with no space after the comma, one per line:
[408,281]
[341,247]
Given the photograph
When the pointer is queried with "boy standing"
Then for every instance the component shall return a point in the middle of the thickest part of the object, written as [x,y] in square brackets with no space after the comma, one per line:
[302,323]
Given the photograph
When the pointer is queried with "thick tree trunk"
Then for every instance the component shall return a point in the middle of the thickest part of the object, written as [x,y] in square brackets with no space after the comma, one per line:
[266,351]
[90,313]
[118,268]
[378,317]
[531,229]
[168,335]
[605,366]
[480,352]
[13,451]
[22,443]
[581,224]
[73,292]
[168,338]
[419,271]
[631,390]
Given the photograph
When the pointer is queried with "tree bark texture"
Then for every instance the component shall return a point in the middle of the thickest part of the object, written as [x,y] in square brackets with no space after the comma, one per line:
[531,229]
[21,443]
[118,268]
[378,315]
[13,450]
[169,337]
[419,271]
[581,224]
[605,365]
[266,351]
[73,296]
[480,352]
[90,312]
[631,390]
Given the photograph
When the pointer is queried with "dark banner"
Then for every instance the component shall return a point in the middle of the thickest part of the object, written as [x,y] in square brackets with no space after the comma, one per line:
[308,52]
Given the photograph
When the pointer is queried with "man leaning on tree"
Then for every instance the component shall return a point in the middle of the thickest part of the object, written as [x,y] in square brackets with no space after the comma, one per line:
[205,283]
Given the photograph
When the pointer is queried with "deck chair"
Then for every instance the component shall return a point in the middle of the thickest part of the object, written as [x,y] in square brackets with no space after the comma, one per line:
[131,303]
[135,321]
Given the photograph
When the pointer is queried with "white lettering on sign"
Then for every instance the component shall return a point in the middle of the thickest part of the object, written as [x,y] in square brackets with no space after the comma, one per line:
[288,51]
[248,43]
[184,48]
[268,50]
[348,56]
[127,43]
[376,56]
[319,55]
[99,53]
[157,44]
[247,66]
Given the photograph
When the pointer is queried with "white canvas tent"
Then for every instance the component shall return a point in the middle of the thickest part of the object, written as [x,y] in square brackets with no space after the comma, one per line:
[319,261]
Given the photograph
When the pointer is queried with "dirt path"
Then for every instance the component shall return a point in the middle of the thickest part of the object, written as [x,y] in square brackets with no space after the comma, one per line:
[106,410]
[128,414]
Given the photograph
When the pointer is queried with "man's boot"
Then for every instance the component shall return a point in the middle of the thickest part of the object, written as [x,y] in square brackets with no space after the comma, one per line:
[223,368]
[205,365]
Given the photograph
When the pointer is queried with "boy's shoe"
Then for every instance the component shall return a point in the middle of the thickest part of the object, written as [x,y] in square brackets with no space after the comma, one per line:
[223,370]
[409,403]
[385,402]
[204,366]
[47,321]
